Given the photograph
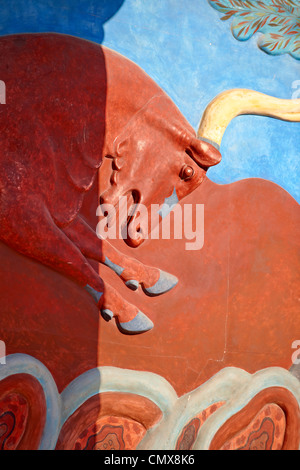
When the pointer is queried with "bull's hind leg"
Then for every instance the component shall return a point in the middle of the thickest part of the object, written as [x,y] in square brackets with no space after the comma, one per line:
[34,233]
[129,319]
[131,271]
[31,230]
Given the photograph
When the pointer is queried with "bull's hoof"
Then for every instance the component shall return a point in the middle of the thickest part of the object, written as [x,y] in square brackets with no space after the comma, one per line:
[165,283]
[107,314]
[139,324]
[132,284]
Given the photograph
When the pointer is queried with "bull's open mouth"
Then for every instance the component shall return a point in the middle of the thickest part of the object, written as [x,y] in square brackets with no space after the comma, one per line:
[133,200]
[131,232]
[123,215]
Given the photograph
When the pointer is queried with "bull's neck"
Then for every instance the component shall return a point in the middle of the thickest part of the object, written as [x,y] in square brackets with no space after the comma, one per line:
[118,114]
[128,90]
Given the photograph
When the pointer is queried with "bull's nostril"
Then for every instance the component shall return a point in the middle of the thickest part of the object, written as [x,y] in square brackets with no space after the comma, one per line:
[135,196]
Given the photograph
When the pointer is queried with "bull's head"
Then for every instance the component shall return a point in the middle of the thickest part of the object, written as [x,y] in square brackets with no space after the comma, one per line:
[158,159]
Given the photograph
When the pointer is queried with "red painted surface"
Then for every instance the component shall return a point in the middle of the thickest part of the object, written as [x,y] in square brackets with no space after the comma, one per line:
[235,303]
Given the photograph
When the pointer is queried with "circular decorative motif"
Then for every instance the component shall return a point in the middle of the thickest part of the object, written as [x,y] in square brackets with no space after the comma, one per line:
[13,420]
[265,432]
[270,421]
[124,434]
[190,431]
[109,421]
[22,412]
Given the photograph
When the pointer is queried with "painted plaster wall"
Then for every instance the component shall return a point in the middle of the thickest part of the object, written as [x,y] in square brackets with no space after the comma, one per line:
[186,49]
[191,54]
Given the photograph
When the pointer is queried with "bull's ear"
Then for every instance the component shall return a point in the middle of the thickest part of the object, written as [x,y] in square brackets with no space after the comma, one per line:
[120,145]
[205,153]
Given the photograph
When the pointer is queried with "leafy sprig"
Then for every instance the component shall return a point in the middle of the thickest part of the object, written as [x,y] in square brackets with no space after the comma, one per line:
[277,20]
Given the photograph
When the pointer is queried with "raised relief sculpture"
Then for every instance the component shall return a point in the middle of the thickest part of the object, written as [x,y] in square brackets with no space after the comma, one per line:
[70,104]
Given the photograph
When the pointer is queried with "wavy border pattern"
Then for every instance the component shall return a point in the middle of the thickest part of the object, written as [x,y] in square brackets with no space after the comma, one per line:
[277,20]
[213,415]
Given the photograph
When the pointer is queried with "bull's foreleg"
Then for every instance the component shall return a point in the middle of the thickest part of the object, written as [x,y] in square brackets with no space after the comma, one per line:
[38,237]
[31,230]
[131,271]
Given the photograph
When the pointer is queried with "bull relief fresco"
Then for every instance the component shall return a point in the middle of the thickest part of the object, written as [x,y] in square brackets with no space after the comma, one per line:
[149,225]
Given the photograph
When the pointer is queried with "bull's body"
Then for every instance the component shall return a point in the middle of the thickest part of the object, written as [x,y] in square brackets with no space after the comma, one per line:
[54,131]
[69,104]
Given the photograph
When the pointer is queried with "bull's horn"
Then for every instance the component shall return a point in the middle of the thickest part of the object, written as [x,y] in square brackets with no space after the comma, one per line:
[232,103]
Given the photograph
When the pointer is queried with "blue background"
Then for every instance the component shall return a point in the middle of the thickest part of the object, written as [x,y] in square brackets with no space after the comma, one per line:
[192,55]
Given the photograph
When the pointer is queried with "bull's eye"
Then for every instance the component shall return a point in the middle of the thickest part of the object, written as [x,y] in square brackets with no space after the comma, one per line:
[186,173]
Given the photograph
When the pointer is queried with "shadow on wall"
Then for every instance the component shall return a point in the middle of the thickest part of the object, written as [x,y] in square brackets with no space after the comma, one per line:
[60,16]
